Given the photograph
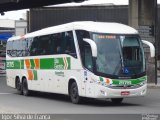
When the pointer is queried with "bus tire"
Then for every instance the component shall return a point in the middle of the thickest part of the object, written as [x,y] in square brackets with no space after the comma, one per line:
[19,86]
[74,95]
[117,100]
[25,87]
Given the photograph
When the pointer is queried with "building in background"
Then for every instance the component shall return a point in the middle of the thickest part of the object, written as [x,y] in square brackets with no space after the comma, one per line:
[20,27]
[9,28]
[39,18]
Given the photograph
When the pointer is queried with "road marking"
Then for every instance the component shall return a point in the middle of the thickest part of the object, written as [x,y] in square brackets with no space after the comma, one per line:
[5,93]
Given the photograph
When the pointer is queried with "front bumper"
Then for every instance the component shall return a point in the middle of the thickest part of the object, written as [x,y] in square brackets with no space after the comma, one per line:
[105,92]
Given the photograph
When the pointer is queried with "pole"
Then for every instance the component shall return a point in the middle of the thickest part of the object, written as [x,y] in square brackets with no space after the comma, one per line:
[155,36]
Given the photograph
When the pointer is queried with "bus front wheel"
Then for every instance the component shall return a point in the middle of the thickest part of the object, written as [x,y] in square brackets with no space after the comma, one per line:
[74,95]
[117,100]
[25,87]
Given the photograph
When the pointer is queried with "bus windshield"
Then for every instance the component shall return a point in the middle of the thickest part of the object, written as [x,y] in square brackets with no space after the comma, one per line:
[119,55]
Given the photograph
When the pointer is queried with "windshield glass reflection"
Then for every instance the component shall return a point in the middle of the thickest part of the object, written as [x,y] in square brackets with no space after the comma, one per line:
[119,55]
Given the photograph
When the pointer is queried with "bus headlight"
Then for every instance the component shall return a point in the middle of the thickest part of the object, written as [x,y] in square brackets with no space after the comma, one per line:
[108,81]
[143,92]
[143,83]
[103,92]
[102,81]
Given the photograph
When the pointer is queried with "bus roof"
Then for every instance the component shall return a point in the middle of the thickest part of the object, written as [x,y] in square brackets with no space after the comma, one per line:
[99,27]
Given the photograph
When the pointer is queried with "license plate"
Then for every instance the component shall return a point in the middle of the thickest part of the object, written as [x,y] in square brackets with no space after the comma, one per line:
[125,93]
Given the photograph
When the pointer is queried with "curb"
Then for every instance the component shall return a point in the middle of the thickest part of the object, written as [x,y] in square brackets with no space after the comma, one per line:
[152,85]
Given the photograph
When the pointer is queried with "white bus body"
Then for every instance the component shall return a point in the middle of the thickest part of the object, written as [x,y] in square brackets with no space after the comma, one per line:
[74,59]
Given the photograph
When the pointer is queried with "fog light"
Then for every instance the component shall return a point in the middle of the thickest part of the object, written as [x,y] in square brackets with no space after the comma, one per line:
[103,92]
[143,83]
[143,92]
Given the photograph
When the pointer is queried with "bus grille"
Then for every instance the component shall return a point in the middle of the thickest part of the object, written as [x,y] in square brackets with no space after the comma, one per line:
[125,86]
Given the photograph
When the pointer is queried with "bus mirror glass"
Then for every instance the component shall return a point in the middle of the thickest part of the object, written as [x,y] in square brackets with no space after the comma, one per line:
[93,46]
[151,46]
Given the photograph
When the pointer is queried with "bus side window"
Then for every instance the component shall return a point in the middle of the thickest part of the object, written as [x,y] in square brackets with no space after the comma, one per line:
[28,46]
[63,43]
[9,48]
[80,35]
[14,50]
[34,47]
[51,45]
[69,44]
[83,49]
[88,63]
[44,45]
[56,41]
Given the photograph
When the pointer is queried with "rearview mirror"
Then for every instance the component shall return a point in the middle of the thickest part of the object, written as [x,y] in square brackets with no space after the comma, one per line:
[151,46]
[93,46]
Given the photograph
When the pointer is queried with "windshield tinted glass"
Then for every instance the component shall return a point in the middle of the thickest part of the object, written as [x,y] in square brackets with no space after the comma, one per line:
[108,48]
[132,55]
[119,55]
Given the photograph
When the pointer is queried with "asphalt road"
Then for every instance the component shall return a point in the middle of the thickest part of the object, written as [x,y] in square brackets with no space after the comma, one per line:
[12,102]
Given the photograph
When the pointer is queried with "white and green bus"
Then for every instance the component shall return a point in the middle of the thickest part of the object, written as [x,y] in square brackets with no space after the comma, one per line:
[79,59]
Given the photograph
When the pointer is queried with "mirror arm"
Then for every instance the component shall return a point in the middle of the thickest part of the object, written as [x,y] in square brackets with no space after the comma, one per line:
[93,46]
[151,46]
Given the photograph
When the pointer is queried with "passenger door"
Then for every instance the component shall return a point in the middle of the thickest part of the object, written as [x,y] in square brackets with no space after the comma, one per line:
[88,73]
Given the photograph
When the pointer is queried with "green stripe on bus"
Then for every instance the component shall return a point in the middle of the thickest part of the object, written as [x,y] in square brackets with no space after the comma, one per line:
[101,79]
[132,81]
[58,63]
[13,64]
[35,74]
[22,64]
[46,63]
[62,63]
[32,63]
[69,62]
